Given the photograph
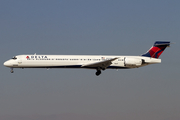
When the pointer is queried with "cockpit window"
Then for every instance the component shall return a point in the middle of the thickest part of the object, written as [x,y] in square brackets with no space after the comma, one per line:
[14,58]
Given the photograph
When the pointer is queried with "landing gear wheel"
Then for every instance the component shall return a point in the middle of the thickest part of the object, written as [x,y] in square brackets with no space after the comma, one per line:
[98,73]
[12,71]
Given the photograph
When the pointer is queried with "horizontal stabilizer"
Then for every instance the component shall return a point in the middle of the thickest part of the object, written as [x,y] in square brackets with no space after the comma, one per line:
[158,43]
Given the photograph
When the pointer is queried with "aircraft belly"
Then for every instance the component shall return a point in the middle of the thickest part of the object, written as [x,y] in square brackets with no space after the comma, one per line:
[48,64]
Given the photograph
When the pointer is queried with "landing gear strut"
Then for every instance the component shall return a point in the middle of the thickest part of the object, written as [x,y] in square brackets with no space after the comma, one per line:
[12,71]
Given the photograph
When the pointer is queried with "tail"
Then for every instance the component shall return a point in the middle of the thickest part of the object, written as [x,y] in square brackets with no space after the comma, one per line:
[156,50]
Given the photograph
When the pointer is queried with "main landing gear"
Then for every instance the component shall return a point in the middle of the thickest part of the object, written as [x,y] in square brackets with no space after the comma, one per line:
[98,72]
[12,71]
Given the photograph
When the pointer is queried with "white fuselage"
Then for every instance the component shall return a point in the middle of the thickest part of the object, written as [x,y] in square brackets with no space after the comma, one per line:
[78,61]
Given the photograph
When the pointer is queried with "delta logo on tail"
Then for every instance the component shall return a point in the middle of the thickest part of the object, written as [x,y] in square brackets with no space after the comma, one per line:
[156,50]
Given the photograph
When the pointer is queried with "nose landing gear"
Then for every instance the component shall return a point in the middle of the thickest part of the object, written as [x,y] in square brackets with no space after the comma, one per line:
[12,71]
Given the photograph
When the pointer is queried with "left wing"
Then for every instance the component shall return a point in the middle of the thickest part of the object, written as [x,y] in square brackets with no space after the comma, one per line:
[100,65]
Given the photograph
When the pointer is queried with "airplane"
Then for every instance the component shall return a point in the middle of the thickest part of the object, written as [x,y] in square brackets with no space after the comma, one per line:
[97,62]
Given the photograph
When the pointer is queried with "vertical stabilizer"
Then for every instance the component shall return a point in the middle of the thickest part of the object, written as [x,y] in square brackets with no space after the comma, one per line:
[157,49]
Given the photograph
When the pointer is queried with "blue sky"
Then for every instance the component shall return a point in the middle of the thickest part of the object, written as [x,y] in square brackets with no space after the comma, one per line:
[100,27]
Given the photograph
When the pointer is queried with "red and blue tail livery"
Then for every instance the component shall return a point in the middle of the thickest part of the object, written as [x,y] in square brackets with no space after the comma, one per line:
[157,49]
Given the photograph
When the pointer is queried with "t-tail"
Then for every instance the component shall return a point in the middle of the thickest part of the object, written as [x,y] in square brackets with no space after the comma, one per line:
[157,49]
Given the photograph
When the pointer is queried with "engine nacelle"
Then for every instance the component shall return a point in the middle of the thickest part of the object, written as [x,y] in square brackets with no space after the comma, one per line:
[133,62]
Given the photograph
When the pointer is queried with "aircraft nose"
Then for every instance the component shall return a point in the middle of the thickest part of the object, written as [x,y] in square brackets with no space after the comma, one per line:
[7,64]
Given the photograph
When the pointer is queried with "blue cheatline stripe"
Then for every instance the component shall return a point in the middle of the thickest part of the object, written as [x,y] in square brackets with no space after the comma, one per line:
[78,66]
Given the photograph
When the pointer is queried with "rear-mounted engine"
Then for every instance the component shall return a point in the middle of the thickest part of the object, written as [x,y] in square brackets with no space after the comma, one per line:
[133,62]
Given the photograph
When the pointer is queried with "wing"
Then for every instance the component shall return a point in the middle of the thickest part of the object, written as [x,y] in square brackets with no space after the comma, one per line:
[100,65]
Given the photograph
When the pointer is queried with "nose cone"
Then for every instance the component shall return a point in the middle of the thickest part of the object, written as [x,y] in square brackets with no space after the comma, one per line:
[7,64]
